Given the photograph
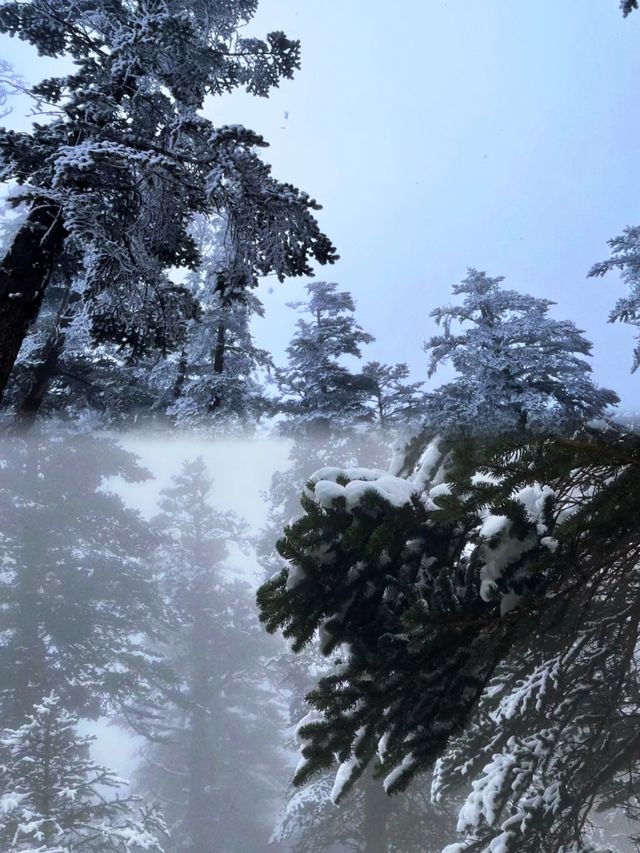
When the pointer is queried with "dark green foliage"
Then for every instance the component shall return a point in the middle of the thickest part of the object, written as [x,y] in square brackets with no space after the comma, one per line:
[430,606]
[553,745]
[396,591]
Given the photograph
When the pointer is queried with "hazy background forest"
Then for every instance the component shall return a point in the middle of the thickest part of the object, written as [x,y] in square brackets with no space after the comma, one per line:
[319,500]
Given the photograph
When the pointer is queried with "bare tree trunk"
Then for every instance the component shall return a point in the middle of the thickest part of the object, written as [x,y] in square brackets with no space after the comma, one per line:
[218,363]
[24,275]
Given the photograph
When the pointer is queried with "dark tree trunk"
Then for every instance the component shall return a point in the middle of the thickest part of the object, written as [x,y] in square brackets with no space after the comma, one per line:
[24,275]
[376,812]
[47,369]
[218,364]
[522,415]
[181,376]
[218,355]
[381,414]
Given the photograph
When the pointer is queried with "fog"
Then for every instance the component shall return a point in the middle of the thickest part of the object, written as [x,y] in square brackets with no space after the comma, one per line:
[135,559]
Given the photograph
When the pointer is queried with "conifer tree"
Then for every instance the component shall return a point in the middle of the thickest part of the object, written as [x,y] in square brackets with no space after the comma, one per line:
[324,403]
[327,407]
[369,566]
[55,799]
[60,371]
[80,605]
[366,822]
[625,256]
[397,404]
[216,379]
[518,368]
[420,587]
[319,393]
[550,755]
[350,421]
[490,599]
[213,381]
[216,768]
[116,176]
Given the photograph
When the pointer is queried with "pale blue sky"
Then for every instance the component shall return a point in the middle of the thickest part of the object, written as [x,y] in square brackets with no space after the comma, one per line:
[441,134]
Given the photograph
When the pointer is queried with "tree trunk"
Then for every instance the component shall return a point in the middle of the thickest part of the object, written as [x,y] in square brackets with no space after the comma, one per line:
[218,364]
[181,376]
[200,819]
[24,275]
[30,404]
[523,417]
[45,371]
[381,415]
[376,812]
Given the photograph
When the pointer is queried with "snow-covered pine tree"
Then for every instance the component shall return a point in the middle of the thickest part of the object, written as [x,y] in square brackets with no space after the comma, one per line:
[625,257]
[326,406]
[128,158]
[550,756]
[212,382]
[393,410]
[55,799]
[368,821]
[79,601]
[518,368]
[550,759]
[627,6]
[419,587]
[363,558]
[60,371]
[320,394]
[40,363]
[216,770]
[398,405]
[338,414]
[216,377]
